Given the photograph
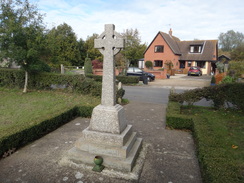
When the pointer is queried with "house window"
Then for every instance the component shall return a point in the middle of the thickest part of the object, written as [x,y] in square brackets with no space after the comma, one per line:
[159,49]
[158,63]
[201,64]
[182,64]
[195,48]
[188,64]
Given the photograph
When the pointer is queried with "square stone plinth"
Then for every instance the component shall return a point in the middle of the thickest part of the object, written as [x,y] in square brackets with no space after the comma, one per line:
[119,151]
[109,119]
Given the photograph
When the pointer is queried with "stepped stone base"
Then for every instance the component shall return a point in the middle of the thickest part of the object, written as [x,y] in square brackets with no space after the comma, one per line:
[123,164]
[109,137]
[118,151]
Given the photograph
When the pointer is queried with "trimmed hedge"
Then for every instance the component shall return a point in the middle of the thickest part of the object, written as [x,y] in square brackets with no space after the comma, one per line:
[12,78]
[175,120]
[75,83]
[213,140]
[128,79]
[221,95]
[122,79]
[21,138]
[95,77]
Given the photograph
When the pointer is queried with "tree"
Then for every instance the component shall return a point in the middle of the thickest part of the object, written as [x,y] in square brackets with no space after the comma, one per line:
[237,54]
[21,36]
[88,66]
[92,52]
[230,40]
[133,48]
[82,50]
[63,46]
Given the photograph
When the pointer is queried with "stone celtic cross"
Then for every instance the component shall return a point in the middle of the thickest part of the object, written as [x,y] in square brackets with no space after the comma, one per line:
[109,44]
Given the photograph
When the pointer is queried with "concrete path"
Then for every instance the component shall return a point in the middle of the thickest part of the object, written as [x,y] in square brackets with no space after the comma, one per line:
[169,154]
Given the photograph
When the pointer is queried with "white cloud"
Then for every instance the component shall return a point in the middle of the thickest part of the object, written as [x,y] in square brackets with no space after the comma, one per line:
[188,19]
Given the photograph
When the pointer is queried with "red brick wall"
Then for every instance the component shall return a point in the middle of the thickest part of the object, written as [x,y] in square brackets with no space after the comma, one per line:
[158,74]
[166,55]
[100,72]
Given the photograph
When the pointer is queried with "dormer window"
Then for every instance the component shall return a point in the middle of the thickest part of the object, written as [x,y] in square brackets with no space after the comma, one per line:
[196,48]
[159,49]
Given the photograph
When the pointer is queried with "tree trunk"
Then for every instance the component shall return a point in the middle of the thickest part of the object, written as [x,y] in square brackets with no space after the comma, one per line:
[26,82]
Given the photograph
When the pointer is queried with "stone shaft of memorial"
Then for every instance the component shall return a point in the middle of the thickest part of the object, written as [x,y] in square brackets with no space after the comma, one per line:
[108,83]
[109,44]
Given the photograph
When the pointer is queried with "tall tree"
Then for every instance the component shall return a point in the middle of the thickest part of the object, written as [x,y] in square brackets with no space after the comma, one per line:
[230,40]
[82,50]
[63,46]
[92,52]
[21,35]
[133,48]
[237,54]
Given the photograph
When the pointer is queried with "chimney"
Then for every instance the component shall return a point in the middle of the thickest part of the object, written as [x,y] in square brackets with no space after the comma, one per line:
[170,32]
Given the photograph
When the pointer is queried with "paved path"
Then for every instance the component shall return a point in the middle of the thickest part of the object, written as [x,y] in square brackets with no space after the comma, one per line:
[170,156]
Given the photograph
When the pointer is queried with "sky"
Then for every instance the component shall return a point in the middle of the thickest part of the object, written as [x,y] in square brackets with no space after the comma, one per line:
[189,19]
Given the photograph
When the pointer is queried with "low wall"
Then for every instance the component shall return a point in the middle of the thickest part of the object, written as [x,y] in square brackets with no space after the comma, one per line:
[181,71]
[158,73]
[99,72]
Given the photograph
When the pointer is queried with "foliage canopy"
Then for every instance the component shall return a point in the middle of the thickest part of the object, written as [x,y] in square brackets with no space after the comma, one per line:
[21,35]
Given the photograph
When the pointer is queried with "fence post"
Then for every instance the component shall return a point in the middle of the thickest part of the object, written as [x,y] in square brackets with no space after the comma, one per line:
[62,69]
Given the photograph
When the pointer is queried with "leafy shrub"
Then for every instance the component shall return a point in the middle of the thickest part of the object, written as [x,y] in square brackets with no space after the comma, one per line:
[97,64]
[227,79]
[148,64]
[220,67]
[220,95]
[213,80]
[88,66]
[219,77]
[119,94]
[236,68]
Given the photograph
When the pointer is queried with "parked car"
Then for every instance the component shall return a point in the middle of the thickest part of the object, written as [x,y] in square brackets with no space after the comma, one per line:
[195,71]
[134,71]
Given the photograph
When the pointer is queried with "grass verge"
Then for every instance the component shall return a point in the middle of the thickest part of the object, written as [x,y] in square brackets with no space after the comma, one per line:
[26,117]
[219,137]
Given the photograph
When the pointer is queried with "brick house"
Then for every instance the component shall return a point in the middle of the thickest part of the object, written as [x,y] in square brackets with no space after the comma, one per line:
[166,48]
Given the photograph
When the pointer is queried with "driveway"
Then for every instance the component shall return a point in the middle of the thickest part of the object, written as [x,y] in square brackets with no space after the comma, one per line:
[182,81]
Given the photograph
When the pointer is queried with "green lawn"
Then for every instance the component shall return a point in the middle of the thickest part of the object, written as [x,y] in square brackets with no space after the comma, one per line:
[18,110]
[219,137]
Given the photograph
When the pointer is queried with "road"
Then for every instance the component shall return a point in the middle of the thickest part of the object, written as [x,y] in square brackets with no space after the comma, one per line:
[157,92]
[147,94]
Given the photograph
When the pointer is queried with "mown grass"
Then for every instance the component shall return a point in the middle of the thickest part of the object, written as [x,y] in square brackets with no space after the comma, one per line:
[219,136]
[19,111]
